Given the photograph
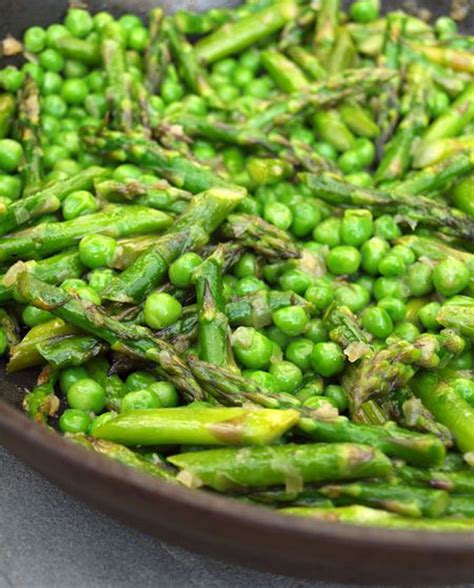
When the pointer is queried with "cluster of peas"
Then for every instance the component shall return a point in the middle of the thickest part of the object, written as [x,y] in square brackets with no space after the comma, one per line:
[383,283]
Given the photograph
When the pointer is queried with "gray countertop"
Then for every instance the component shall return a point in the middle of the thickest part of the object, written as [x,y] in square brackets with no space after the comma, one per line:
[48,539]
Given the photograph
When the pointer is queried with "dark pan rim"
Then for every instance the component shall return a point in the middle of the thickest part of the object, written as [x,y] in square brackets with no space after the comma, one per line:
[16,426]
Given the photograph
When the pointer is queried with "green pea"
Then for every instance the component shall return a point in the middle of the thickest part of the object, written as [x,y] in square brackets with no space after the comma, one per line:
[366,282]
[140,400]
[337,395]
[251,59]
[327,359]
[138,38]
[87,293]
[291,320]
[54,105]
[306,217]
[246,266]
[74,91]
[438,103]
[461,195]
[51,60]
[126,172]
[407,331]
[326,150]
[34,39]
[315,331]
[181,270]
[249,285]
[55,32]
[86,395]
[99,279]
[204,150]
[101,420]
[361,178]
[75,69]
[252,349]
[344,259]
[357,227]
[33,316]
[312,387]
[11,78]
[277,336]
[445,27]
[386,227]
[264,379]
[328,232]
[74,421]
[377,322]
[299,352]
[427,316]
[372,252]
[354,296]
[364,11]
[35,71]
[391,266]
[171,91]
[394,307]
[295,280]
[97,251]
[465,361]
[166,394]
[229,284]
[78,204]
[320,296]
[139,380]
[420,279]
[10,186]
[278,214]
[11,155]
[161,310]
[351,161]
[392,287]
[287,375]
[450,276]
[79,22]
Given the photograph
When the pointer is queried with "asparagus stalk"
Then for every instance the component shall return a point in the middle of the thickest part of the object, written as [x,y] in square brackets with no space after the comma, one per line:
[235,36]
[47,200]
[326,28]
[436,151]
[455,59]
[70,351]
[452,122]
[461,482]
[289,465]
[448,407]
[85,51]
[10,327]
[308,62]
[286,74]
[197,426]
[191,230]
[414,448]
[28,132]
[461,506]
[370,517]
[42,403]
[157,55]
[405,501]
[459,317]
[46,239]
[118,90]
[122,455]
[412,209]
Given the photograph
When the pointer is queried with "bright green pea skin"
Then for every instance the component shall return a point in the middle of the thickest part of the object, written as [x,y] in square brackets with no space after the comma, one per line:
[351,161]
[386,228]
[99,279]
[326,150]
[343,260]
[427,316]
[10,186]
[465,388]
[315,331]
[139,380]
[161,310]
[166,394]
[11,155]
[438,103]
[264,379]
[357,227]
[404,253]
[465,361]
[33,316]
[35,71]
[140,399]
[299,352]
[126,171]
[372,252]
[86,395]
[3,341]
[79,203]
[407,331]
[311,387]
[74,421]
[74,91]
[249,285]
[450,277]
[51,60]
[461,195]
[278,214]
[34,39]
[337,396]
[181,270]
[246,266]
[419,279]
[70,376]
[75,69]
[97,251]
[54,105]
[277,336]
[392,287]
[306,217]
[100,420]
[391,266]
[252,349]
[87,293]
[229,284]
[327,359]
[291,320]
[295,280]
[377,322]
[11,78]
[366,282]
[364,11]
[320,296]
[287,375]
[394,307]
[328,232]
[138,38]
[354,296]
[79,22]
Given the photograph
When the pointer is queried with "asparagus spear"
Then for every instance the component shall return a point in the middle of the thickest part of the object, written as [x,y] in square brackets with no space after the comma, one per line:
[435,250]
[238,35]
[52,270]
[452,122]
[308,62]
[42,402]
[25,354]
[213,324]
[85,51]
[459,317]
[405,501]
[286,74]
[289,465]
[281,497]
[201,23]
[451,58]
[46,239]
[10,327]
[157,55]
[197,426]
[122,455]
[415,448]
[70,351]
[7,109]
[326,28]
[448,407]
[28,132]
[461,506]
[436,151]
[171,165]
[461,482]
[369,517]
[410,208]
[191,230]
[47,200]
[115,389]
[129,339]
